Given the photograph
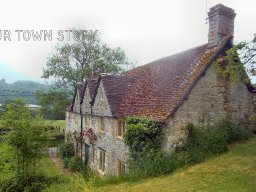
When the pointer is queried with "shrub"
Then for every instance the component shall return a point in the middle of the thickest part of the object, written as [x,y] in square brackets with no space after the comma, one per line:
[67,150]
[75,164]
[65,162]
[235,132]
[142,135]
[157,163]
[30,184]
[202,143]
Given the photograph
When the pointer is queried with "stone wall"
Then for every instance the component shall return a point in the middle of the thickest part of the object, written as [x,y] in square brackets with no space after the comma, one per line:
[113,146]
[107,140]
[211,100]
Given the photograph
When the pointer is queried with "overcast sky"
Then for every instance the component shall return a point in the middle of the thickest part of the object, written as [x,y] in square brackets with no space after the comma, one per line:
[146,29]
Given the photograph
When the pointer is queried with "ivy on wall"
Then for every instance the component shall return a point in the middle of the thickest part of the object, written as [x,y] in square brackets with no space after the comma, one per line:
[142,136]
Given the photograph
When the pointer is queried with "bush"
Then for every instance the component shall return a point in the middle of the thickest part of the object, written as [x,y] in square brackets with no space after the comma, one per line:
[156,163]
[65,162]
[67,150]
[31,184]
[202,143]
[236,132]
[75,164]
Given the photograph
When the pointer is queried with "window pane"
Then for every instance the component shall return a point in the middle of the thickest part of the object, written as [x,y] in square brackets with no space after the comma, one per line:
[103,161]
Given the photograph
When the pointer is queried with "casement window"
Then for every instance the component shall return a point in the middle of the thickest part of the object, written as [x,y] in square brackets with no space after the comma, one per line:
[76,119]
[120,167]
[102,125]
[93,153]
[85,120]
[100,93]
[102,160]
[92,121]
[120,128]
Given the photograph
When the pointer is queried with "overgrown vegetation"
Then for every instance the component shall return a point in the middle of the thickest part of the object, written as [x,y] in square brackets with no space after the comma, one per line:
[22,148]
[232,171]
[147,158]
[69,159]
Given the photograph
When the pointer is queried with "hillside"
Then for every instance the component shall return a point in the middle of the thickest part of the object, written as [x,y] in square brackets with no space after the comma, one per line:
[232,171]
[24,89]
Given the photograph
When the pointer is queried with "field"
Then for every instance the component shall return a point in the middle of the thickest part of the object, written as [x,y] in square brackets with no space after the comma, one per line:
[56,123]
[232,171]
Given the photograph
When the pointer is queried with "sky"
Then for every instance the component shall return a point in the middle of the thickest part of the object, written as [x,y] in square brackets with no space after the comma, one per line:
[146,29]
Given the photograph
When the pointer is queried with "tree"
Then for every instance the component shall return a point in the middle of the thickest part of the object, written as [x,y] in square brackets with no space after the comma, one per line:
[73,63]
[52,103]
[26,136]
[240,58]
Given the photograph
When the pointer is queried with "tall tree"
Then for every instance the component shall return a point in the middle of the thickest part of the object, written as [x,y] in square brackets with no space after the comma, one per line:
[26,136]
[74,62]
[52,103]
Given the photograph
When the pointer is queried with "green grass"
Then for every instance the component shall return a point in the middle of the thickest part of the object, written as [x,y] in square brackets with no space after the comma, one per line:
[49,167]
[56,123]
[232,171]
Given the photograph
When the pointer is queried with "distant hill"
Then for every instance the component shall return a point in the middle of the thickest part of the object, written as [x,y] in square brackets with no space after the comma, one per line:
[24,89]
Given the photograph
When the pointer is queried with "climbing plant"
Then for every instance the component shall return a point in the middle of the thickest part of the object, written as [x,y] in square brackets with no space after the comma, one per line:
[142,136]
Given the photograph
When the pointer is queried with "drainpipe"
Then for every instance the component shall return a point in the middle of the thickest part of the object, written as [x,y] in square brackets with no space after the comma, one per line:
[81,129]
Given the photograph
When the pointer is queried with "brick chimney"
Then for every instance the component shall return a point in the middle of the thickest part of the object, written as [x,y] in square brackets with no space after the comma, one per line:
[221,23]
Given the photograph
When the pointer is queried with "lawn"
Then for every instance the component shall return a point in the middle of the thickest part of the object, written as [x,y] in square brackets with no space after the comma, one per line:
[232,171]
[49,167]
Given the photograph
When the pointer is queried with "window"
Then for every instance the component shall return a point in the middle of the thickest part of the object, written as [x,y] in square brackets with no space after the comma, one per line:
[120,168]
[93,154]
[102,160]
[92,120]
[120,128]
[102,125]
[101,93]
[85,120]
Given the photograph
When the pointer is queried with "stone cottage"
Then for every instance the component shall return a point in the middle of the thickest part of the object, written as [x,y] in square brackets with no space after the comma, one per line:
[174,90]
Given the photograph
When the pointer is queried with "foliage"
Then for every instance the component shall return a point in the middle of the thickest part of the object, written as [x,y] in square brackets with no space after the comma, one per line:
[142,136]
[238,60]
[26,136]
[53,103]
[31,184]
[67,150]
[90,135]
[73,63]
[75,182]
[236,132]
[7,165]
[203,143]
[232,171]
[75,164]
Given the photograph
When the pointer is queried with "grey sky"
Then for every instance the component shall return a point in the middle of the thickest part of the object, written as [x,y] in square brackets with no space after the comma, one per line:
[145,29]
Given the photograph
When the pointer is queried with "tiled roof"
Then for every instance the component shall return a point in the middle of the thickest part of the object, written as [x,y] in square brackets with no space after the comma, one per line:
[161,85]
[156,90]
[92,84]
[116,87]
